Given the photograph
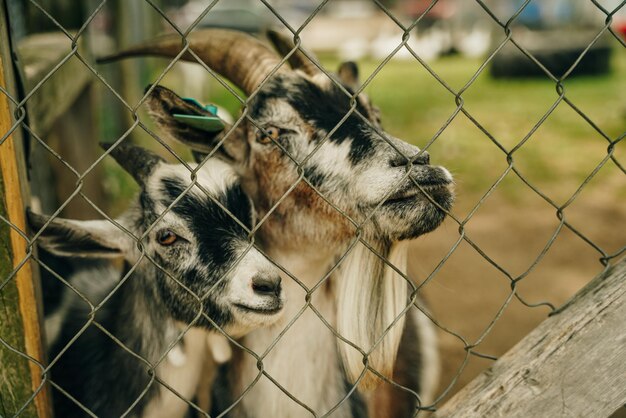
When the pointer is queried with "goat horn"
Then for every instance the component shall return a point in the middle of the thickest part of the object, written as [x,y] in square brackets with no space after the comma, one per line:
[237,56]
[284,45]
[137,161]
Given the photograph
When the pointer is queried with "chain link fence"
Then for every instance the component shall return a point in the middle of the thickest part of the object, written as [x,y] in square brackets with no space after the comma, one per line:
[23,122]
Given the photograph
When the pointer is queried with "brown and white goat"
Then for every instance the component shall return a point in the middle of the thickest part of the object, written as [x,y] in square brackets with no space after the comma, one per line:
[196,268]
[301,153]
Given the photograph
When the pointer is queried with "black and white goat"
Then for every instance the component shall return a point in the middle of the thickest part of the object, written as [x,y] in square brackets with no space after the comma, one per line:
[388,192]
[195,263]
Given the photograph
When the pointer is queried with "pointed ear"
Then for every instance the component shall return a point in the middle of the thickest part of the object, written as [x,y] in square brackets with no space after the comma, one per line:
[64,237]
[348,73]
[284,44]
[163,104]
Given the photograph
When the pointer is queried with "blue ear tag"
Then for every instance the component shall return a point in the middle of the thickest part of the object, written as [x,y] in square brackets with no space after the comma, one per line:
[204,123]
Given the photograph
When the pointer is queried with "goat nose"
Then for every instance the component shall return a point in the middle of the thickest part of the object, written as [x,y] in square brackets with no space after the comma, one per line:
[266,285]
[421,159]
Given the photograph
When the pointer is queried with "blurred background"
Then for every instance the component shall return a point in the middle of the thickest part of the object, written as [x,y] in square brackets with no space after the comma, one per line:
[523,146]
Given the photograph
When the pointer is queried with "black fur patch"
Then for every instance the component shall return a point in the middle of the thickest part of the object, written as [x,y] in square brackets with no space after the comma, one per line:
[324,109]
[148,211]
[407,369]
[213,228]
[315,176]
[217,235]
[84,370]
[358,407]
[221,392]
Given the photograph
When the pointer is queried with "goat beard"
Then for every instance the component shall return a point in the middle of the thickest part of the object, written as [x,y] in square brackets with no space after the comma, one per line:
[371,296]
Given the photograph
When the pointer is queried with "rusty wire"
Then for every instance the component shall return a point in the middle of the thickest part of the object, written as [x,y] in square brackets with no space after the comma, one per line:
[457,96]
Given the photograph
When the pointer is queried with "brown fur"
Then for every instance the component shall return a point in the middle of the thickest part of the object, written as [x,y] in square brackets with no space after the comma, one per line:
[301,202]
[390,401]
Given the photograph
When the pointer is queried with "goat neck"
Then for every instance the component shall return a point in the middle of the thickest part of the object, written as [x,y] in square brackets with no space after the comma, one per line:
[310,345]
[117,377]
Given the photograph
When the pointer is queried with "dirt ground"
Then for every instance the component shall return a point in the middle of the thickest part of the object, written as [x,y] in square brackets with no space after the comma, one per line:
[466,294]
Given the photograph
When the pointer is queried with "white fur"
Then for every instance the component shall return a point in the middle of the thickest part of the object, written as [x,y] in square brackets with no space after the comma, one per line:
[300,359]
[83,281]
[331,158]
[214,177]
[182,371]
[447,173]
[430,367]
[176,357]
[240,291]
[219,347]
[54,322]
[240,287]
[372,296]
[375,182]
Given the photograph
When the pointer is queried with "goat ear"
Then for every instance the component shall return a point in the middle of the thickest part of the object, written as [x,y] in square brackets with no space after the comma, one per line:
[64,237]
[284,45]
[163,104]
[348,73]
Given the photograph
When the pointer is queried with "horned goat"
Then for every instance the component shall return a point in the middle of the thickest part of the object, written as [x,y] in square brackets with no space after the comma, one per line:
[302,152]
[196,268]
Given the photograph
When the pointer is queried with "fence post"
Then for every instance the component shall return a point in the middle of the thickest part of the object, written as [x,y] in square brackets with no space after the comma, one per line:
[19,308]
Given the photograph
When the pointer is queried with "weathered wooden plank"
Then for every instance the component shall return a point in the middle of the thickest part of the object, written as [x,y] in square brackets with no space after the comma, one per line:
[20,323]
[74,138]
[572,365]
[61,112]
[38,55]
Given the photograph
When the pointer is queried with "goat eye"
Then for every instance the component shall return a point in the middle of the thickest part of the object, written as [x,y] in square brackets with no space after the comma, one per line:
[166,237]
[265,136]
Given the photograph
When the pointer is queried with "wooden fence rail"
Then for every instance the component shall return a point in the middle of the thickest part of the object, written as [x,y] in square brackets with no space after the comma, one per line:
[572,365]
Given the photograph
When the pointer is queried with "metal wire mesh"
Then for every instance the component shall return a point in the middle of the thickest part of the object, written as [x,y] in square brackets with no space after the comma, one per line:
[455,95]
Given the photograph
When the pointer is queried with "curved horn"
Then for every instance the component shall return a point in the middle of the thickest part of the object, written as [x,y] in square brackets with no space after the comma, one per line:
[284,45]
[137,161]
[237,56]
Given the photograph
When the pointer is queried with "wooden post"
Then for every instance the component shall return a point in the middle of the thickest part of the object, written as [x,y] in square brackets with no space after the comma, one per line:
[573,364]
[19,310]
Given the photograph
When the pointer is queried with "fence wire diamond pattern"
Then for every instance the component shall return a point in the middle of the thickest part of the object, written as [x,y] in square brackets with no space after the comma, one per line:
[457,96]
